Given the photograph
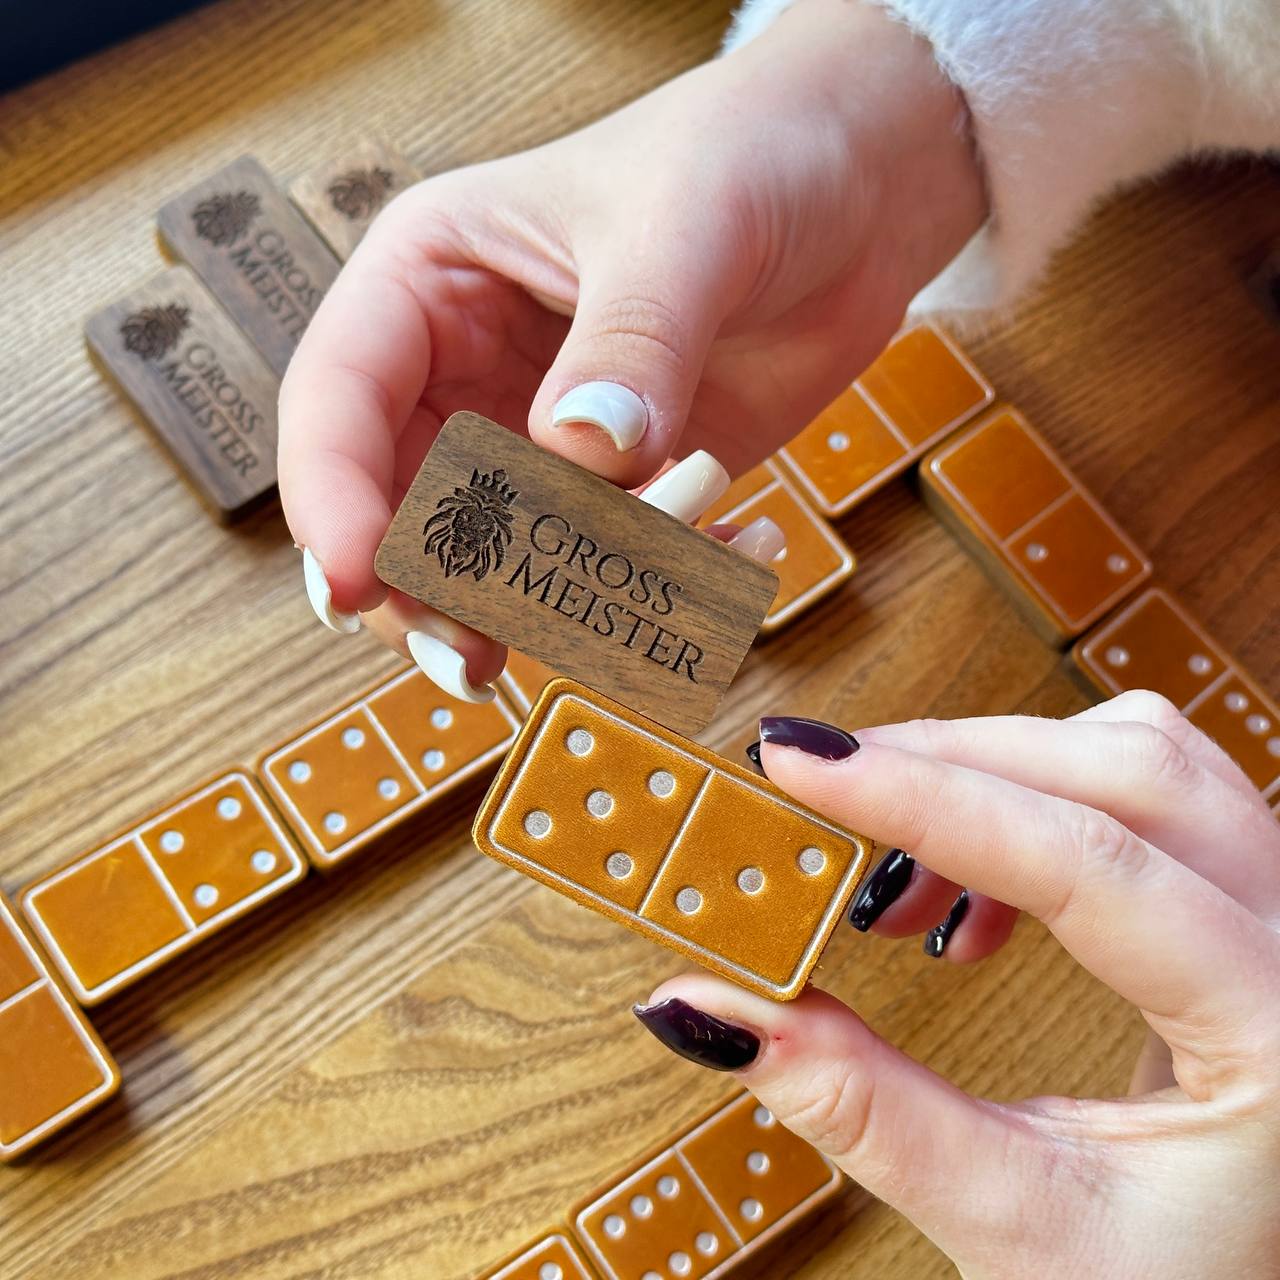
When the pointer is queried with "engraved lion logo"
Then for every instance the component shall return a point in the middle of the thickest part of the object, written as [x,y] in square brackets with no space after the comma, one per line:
[154,331]
[359,193]
[471,527]
[223,219]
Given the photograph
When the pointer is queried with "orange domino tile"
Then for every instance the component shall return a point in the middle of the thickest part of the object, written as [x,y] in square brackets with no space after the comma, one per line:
[523,678]
[814,562]
[739,491]
[661,834]
[920,389]
[552,1257]
[1006,494]
[350,778]
[113,915]
[707,1202]
[1153,643]
[53,1067]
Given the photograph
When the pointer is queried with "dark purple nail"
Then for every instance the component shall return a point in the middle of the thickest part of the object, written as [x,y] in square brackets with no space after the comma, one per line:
[752,752]
[701,1037]
[883,887]
[814,738]
[935,941]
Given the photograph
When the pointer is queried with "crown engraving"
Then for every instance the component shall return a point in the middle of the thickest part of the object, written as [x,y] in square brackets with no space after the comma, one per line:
[471,527]
[360,193]
[223,219]
[152,332]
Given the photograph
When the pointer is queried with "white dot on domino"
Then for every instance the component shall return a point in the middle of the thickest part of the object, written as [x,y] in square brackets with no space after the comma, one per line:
[641,1207]
[228,808]
[334,822]
[614,1226]
[388,788]
[263,862]
[299,771]
[599,804]
[441,718]
[353,739]
[668,1187]
[751,1209]
[758,1162]
[680,1263]
[706,1243]
[433,759]
[550,1271]
[171,841]
[204,895]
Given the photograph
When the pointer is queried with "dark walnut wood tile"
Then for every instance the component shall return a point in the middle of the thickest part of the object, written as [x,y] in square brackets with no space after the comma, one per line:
[342,196]
[575,572]
[195,379]
[254,251]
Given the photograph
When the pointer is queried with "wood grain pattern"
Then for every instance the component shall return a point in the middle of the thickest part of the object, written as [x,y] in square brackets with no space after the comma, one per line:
[341,196]
[196,381]
[565,567]
[255,253]
[413,1067]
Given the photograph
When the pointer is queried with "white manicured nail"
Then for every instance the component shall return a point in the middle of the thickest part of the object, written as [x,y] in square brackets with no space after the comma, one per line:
[322,598]
[761,540]
[615,409]
[444,666]
[689,488]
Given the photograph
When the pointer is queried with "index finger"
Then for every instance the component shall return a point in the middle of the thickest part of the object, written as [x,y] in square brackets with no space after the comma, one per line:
[354,380]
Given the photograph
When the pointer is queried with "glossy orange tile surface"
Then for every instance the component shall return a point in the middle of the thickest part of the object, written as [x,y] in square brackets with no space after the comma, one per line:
[663,835]
[1153,643]
[708,1201]
[350,778]
[1004,491]
[919,389]
[114,914]
[553,1257]
[814,562]
[53,1067]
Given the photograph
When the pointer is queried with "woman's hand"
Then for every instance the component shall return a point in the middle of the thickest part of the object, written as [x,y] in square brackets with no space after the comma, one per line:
[1157,865]
[703,270]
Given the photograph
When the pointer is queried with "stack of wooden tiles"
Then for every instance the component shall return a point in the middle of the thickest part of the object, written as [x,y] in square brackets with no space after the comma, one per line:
[693,1209]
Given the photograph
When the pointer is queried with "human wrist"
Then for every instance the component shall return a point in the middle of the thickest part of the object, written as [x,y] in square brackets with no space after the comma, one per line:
[904,127]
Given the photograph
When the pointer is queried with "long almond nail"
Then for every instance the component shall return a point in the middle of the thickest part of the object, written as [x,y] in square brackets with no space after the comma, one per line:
[445,667]
[701,1037]
[689,488]
[762,540]
[321,597]
[615,409]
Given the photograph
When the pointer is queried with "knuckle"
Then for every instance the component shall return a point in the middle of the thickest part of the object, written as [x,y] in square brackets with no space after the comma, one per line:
[1093,843]
[1158,759]
[646,322]
[1144,706]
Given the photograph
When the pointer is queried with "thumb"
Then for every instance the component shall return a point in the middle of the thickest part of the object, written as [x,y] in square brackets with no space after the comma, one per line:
[900,1130]
[618,394]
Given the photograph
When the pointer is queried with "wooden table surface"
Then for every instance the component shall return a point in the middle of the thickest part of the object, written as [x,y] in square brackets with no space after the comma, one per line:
[407,1069]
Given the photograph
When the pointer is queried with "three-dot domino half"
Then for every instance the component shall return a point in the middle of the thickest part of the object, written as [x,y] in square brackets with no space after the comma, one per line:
[113,915]
[363,769]
[661,834]
[53,1067]
[1004,492]
[1152,643]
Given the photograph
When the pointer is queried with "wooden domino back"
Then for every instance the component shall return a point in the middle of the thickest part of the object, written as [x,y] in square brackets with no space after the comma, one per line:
[361,770]
[815,561]
[919,389]
[53,1067]
[702,1205]
[663,835]
[1153,643]
[1004,492]
[116,913]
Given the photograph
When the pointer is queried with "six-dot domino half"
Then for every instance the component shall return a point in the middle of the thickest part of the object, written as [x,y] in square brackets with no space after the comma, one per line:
[664,836]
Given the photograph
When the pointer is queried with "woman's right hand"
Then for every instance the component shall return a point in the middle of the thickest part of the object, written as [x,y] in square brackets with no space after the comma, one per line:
[703,270]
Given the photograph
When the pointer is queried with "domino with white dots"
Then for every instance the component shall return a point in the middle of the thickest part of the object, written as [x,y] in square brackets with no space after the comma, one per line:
[1153,643]
[659,833]
[369,766]
[119,912]
[551,1257]
[705,1203]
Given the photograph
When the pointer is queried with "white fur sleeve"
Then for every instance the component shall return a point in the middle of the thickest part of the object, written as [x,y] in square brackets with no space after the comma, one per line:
[1071,98]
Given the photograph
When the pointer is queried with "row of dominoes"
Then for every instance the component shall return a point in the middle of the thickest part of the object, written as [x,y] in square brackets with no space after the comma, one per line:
[693,1209]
